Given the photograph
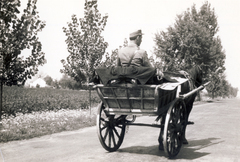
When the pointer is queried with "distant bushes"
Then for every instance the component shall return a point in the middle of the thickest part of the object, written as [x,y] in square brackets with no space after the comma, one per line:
[65,82]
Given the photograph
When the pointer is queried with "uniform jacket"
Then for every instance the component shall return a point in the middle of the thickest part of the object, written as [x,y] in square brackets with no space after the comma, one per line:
[140,58]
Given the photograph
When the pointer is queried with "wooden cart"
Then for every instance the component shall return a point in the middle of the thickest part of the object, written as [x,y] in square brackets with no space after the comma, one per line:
[121,100]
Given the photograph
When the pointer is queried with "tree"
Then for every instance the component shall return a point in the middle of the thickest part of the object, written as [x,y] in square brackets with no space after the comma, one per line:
[19,32]
[233,91]
[215,70]
[191,41]
[55,84]
[110,60]
[67,82]
[225,88]
[48,80]
[85,43]
[215,86]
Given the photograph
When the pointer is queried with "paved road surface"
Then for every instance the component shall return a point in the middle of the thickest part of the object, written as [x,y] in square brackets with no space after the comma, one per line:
[215,136]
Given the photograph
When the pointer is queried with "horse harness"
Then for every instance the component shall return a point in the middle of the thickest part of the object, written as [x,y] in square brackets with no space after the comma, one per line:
[190,79]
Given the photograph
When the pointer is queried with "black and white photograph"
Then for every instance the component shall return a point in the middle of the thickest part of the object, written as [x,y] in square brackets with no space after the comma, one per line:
[119,80]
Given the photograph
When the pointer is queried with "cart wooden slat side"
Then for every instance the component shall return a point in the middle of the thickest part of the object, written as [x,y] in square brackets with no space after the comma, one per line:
[127,99]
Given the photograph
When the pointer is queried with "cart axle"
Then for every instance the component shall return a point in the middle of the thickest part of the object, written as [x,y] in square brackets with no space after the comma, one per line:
[148,125]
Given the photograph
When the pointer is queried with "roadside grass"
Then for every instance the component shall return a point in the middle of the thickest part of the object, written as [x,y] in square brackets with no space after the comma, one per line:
[35,124]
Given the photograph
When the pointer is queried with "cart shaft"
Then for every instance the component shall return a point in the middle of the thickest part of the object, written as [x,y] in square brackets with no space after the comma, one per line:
[194,91]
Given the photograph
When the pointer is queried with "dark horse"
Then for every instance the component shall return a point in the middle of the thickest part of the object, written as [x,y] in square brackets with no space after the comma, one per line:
[194,76]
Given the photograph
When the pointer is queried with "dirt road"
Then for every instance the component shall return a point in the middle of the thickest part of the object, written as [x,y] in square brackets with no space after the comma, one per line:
[215,136]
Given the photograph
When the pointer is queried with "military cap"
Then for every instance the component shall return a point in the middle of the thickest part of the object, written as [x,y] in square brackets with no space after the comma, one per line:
[136,33]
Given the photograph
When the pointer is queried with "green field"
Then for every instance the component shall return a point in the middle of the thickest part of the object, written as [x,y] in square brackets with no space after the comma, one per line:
[28,100]
[29,113]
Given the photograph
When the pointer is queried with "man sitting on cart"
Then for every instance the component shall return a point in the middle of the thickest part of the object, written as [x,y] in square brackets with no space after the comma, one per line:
[133,65]
[132,55]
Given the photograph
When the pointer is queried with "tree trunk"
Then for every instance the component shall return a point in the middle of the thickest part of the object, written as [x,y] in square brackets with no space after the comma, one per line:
[1,91]
[212,95]
[89,92]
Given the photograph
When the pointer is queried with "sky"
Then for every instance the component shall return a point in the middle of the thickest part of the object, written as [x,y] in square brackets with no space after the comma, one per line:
[126,16]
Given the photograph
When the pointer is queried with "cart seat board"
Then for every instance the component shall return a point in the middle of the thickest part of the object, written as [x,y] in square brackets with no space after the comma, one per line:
[172,86]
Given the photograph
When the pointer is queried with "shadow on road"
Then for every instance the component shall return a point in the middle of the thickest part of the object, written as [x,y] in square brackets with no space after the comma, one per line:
[193,149]
[150,150]
[190,151]
[208,102]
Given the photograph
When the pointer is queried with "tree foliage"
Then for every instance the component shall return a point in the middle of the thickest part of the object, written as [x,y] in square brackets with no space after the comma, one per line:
[19,32]
[233,91]
[48,80]
[221,87]
[111,60]
[193,40]
[85,44]
[67,82]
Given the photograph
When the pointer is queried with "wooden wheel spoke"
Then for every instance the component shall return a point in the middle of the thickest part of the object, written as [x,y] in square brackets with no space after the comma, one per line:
[173,139]
[171,127]
[173,121]
[177,141]
[106,133]
[170,137]
[173,143]
[103,127]
[177,114]
[103,120]
[182,116]
[170,145]
[114,129]
[113,138]
[119,126]
[174,118]
[109,138]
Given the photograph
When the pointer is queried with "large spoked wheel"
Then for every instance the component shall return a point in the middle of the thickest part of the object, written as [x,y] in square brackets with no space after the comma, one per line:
[174,127]
[110,129]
